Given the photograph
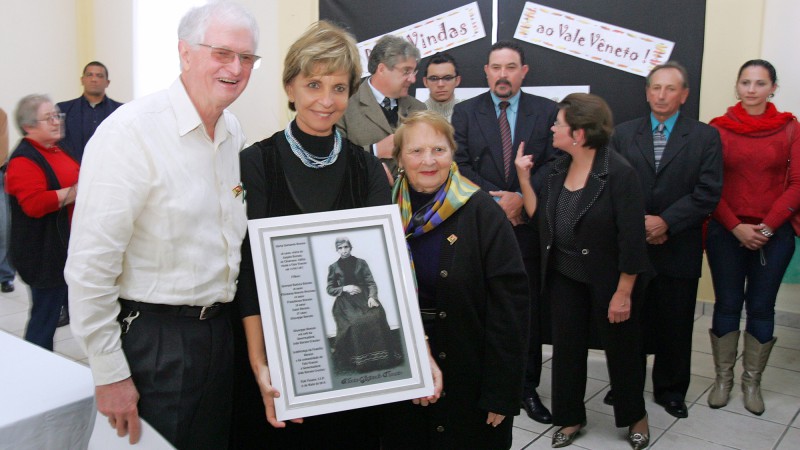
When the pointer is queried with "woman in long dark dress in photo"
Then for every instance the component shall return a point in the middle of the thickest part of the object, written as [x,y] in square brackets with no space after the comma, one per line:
[363,339]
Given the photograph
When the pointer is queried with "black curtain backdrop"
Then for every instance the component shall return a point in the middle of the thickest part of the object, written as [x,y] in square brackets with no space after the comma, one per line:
[680,21]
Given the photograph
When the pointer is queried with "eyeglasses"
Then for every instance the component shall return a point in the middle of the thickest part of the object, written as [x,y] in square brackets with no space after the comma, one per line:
[53,118]
[558,124]
[446,78]
[407,71]
[226,56]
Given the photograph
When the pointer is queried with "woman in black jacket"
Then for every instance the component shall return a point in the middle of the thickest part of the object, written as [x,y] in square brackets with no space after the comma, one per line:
[308,167]
[593,249]
[473,294]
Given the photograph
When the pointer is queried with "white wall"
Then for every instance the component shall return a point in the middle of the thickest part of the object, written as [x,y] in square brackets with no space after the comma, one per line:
[39,53]
[44,52]
[779,46]
[261,108]
[727,45]
[112,44]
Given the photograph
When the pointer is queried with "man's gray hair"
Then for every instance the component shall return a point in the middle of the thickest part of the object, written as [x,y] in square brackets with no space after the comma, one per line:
[194,23]
[390,50]
[27,112]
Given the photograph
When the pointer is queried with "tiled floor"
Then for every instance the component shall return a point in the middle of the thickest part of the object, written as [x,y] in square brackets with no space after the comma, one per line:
[729,428]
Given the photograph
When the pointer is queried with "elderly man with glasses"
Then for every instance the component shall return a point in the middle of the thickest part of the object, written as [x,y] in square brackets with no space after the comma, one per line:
[155,255]
[375,110]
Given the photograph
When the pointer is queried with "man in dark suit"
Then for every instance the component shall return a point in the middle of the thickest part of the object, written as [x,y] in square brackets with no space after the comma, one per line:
[85,113]
[679,163]
[382,100]
[488,130]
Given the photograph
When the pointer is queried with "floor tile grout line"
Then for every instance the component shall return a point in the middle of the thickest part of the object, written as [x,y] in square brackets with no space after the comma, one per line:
[783,435]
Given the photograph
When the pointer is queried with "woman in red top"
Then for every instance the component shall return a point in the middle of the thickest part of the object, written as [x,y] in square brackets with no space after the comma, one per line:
[750,238]
[41,181]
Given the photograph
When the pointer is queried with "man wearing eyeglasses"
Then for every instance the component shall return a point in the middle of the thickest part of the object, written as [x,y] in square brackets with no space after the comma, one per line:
[155,250]
[374,112]
[442,78]
[85,113]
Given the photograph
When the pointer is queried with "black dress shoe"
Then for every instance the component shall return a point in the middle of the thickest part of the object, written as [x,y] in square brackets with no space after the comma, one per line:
[7,286]
[609,398]
[536,410]
[675,408]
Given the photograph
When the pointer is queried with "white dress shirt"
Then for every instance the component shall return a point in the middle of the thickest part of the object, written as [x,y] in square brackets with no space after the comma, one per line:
[157,219]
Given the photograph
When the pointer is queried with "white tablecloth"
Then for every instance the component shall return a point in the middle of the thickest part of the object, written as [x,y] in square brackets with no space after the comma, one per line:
[105,438]
[46,400]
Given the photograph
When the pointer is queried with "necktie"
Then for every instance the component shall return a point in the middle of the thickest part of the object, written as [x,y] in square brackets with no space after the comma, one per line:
[505,138]
[389,112]
[659,142]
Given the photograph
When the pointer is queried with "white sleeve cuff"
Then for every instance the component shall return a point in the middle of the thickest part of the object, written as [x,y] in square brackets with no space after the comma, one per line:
[109,368]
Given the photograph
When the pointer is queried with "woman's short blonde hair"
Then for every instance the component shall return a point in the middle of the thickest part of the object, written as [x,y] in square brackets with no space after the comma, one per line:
[437,121]
[322,50]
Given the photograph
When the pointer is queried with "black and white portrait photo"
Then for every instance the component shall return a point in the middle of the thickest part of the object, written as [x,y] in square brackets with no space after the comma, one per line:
[363,339]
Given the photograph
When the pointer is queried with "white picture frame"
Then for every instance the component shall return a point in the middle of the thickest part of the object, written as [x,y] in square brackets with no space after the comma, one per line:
[294,259]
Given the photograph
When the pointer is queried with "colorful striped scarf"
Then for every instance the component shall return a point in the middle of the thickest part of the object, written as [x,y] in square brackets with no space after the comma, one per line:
[453,194]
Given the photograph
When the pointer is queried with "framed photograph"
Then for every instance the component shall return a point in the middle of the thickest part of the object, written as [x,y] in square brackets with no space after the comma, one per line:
[339,309]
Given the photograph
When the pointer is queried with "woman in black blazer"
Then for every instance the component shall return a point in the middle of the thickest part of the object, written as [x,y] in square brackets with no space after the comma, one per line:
[593,249]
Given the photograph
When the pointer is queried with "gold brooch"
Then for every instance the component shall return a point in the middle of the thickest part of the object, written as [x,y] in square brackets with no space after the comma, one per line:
[452,239]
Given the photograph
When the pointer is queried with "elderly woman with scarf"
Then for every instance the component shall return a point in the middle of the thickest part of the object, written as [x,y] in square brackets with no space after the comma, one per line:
[750,239]
[473,294]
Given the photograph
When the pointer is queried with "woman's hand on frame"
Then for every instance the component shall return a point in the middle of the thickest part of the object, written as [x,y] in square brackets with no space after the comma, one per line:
[268,395]
[438,383]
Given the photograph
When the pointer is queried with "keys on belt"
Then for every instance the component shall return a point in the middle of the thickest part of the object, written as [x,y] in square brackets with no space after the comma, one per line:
[193,312]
